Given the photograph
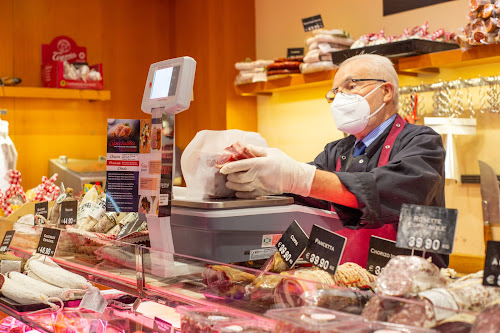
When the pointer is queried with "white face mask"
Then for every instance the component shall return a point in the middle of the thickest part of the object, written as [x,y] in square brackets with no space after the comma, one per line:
[351,112]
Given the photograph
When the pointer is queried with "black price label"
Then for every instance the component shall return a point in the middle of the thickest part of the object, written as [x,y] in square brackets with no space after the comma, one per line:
[42,208]
[294,52]
[48,241]
[491,276]
[7,239]
[161,326]
[382,250]
[427,228]
[312,23]
[325,249]
[292,243]
[69,211]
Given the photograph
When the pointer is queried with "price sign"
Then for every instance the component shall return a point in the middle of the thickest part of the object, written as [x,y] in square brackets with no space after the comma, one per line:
[48,241]
[312,23]
[324,249]
[292,244]
[7,239]
[427,228]
[69,211]
[491,276]
[41,208]
[294,52]
[161,326]
[381,250]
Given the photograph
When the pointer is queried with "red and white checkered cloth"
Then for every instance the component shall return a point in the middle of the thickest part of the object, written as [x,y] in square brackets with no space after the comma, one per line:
[47,190]
[14,179]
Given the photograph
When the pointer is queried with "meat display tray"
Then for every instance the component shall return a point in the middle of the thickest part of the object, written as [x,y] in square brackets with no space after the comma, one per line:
[404,48]
[33,307]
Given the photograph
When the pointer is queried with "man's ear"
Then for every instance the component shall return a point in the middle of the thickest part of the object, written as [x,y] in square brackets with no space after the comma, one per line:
[388,90]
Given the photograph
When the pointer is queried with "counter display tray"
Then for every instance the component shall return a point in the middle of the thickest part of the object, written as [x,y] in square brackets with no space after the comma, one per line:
[394,50]
[33,307]
[228,203]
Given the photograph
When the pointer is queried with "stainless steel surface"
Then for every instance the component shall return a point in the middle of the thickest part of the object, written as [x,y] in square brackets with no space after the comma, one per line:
[490,195]
[75,173]
[228,203]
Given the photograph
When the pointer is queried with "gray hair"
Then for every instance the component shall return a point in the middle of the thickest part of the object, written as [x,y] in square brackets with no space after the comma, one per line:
[382,68]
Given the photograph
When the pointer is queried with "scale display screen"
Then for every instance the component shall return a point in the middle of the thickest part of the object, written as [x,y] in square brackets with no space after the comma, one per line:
[165,82]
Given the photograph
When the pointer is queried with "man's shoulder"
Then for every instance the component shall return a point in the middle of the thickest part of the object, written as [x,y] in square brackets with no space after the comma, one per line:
[418,130]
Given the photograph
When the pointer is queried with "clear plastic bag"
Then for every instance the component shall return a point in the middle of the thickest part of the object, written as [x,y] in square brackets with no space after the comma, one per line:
[203,179]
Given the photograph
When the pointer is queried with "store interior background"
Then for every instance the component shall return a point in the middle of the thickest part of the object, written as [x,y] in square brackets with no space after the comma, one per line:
[127,36]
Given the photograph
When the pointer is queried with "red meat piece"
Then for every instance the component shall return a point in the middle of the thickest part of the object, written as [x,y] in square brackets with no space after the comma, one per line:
[234,152]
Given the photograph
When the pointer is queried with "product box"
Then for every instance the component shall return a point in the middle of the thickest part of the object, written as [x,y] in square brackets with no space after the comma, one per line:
[64,65]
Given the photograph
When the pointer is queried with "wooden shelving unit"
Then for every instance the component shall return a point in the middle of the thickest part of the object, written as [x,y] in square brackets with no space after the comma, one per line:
[426,63]
[55,93]
[477,55]
[290,82]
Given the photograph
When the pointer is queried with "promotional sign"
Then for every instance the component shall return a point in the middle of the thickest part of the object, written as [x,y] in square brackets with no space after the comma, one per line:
[380,251]
[312,23]
[69,212]
[294,52]
[122,170]
[491,276]
[7,239]
[48,241]
[324,249]
[161,326]
[167,165]
[292,244]
[42,208]
[427,228]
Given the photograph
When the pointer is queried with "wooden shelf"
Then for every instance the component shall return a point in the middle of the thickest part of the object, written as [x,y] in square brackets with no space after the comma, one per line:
[290,82]
[477,55]
[55,93]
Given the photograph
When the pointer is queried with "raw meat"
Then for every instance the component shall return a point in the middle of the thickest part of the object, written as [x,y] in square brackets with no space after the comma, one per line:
[488,320]
[226,281]
[234,152]
[408,275]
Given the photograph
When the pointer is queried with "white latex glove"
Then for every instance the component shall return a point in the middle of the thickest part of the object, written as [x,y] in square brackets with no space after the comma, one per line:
[271,172]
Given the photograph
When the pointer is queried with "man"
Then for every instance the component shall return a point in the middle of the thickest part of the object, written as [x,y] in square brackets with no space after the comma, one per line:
[365,177]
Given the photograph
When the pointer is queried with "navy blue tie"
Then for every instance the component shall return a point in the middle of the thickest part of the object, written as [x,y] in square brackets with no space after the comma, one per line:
[359,149]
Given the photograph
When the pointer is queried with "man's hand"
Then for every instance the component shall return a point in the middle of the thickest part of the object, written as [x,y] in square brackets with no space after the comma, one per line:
[271,172]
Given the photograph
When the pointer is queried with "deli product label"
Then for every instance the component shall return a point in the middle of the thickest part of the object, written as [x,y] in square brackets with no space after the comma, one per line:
[324,249]
[427,228]
[380,251]
[491,276]
[294,52]
[48,241]
[69,212]
[292,244]
[7,239]
[312,23]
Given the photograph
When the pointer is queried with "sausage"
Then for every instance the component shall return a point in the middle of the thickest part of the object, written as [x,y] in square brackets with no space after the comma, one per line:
[44,288]
[22,295]
[53,274]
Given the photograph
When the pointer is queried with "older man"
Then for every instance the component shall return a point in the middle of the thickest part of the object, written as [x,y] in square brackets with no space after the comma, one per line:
[365,177]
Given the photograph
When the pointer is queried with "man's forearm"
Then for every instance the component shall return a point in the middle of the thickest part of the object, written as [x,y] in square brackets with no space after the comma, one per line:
[327,186]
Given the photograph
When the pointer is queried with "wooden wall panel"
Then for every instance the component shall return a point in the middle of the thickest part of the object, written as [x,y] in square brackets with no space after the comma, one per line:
[126,36]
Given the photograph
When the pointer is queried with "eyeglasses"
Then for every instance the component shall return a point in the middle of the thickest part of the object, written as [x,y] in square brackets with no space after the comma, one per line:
[349,86]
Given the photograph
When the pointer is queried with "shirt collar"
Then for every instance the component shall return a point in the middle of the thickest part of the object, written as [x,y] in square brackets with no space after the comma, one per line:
[373,135]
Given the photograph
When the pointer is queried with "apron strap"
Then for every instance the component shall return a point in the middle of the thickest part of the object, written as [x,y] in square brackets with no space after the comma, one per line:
[397,127]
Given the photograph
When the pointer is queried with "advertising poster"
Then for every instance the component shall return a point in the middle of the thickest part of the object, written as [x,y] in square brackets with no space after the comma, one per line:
[122,170]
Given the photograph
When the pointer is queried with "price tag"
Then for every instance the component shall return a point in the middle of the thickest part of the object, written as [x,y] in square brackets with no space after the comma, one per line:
[41,208]
[69,211]
[382,250]
[7,239]
[312,23]
[427,228]
[161,326]
[324,249]
[491,276]
[292,244]
[294,52]
[48,241]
